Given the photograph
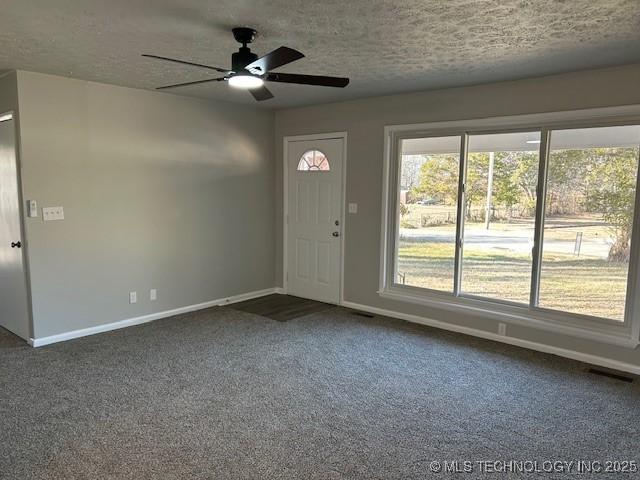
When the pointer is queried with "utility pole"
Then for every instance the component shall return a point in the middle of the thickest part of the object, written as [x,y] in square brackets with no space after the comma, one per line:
[487,217]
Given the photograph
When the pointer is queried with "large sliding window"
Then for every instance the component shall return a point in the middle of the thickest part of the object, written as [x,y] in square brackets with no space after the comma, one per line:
[499,222]
[428,196]
[588,220]
[536,222]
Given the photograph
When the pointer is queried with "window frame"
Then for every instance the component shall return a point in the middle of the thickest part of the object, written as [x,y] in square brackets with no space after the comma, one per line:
[396,224]
[625,333]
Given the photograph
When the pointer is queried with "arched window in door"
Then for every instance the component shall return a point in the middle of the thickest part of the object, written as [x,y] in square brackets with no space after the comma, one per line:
[313,160]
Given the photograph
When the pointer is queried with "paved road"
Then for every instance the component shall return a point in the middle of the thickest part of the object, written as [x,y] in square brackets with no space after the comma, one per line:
[508,241]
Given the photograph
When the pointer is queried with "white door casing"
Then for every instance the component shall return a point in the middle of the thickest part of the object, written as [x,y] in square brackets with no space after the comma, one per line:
[314,216]
[14,306]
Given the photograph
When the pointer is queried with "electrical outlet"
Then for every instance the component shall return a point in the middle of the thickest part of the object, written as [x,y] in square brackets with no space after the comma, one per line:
[133,297]
[153,294]
[502,328]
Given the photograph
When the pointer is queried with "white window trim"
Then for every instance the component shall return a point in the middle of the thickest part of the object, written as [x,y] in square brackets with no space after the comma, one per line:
[625,334]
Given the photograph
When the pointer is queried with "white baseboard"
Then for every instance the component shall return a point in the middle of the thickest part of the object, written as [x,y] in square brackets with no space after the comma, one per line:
[61,337]
[540,347]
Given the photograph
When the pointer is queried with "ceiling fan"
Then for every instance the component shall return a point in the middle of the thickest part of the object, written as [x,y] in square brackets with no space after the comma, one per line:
[250,72]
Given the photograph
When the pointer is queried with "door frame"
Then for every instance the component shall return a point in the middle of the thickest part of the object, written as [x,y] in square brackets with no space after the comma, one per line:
[285,202]
[26,269]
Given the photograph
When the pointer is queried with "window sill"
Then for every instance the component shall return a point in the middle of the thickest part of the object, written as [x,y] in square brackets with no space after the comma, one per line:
[613,335]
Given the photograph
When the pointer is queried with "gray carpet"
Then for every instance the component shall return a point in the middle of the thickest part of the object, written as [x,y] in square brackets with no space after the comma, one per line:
[230,395]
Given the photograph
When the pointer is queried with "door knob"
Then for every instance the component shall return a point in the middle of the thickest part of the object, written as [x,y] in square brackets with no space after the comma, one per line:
[336,234]
[17,244]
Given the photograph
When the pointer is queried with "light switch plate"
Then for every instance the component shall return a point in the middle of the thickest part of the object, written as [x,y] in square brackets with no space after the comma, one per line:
[353,208]
[32,209]
[52,213]
[133,297]
[153,294]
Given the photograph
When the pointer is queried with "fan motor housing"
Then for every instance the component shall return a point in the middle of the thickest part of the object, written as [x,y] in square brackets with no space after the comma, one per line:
[242,58]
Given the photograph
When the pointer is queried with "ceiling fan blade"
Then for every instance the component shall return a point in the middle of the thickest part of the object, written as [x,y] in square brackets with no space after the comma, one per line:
[183,62]
[323,81]
[191,83]
[277,58]
[261,93]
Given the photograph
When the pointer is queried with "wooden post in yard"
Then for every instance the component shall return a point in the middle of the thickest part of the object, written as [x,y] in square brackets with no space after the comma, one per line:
[487,217]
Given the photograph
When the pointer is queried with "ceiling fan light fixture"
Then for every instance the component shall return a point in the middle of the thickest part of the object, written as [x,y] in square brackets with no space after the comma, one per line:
[250,72]
[245,81]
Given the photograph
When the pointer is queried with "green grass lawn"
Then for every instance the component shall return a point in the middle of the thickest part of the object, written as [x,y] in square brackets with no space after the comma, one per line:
[590,286]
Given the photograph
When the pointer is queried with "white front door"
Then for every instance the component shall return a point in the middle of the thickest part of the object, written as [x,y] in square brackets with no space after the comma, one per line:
[314,218]
[14,309]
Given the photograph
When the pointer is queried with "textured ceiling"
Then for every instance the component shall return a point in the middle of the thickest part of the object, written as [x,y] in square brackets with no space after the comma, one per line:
[383,46]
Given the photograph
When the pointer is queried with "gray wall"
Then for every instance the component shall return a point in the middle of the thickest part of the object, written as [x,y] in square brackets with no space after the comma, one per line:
[364,120]
[159,191]
[8,92]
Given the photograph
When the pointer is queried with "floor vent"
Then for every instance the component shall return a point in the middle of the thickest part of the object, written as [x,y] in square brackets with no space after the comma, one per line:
[363,314]
[618,376]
